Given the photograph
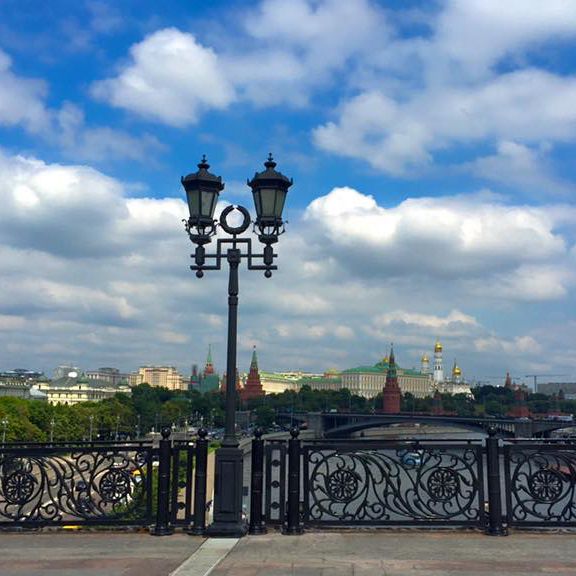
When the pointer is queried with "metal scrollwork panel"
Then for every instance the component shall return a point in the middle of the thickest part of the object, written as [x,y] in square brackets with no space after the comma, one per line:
[77,486]
[393,486]
[541,484]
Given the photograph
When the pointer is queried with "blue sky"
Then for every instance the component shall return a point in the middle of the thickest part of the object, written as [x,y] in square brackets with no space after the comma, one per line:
[431,145]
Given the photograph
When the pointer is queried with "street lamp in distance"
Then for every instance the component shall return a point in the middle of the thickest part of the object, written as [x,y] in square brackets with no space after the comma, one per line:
[269,190]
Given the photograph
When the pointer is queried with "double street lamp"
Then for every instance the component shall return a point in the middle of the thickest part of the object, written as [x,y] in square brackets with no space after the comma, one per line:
[269,189]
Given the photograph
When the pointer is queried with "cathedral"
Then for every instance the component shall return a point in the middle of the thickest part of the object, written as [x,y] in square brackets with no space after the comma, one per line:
[368,381]
[454,384]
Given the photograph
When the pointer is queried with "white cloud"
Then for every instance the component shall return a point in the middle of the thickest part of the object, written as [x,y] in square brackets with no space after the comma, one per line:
[476,34]
[98,143]
[521,166]
[525,345]
[395,135]
[447,237]
[283,52]
[428,321]
[21,99]
[170,77]
[92,276]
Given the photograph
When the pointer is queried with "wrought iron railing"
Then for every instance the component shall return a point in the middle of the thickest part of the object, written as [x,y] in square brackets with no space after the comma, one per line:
[492,484]
[540,483]
[105,484]
[75,484]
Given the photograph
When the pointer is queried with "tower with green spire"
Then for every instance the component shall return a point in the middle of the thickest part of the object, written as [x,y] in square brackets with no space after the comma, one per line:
[391,393]
[209,379]
[253,386]
[209,368]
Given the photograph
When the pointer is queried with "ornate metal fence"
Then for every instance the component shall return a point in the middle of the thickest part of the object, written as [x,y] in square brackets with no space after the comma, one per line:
[540,483]
[92,483]
[76,484]
[393,484]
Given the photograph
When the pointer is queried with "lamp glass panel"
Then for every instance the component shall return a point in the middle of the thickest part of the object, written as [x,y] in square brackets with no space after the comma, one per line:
[268,199]
[280,199]
[257,202]
[193,202]
[208,203]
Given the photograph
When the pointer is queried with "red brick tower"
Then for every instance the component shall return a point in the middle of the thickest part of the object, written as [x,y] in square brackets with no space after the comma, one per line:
[508,381]
[520,407]
[209,368]
[391,392]
[252,386]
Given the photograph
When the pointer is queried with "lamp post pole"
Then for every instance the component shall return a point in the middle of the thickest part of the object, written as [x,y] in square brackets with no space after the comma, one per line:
[91,419]
[269,189]
[4,425]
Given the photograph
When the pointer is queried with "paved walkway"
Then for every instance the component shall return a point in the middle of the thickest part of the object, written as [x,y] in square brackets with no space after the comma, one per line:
[370,553]
[93,553]
[389,553]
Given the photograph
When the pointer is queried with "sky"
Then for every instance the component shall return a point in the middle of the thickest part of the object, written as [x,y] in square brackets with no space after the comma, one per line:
[432,149]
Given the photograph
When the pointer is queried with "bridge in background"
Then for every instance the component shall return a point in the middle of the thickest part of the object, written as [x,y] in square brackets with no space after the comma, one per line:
[344,424]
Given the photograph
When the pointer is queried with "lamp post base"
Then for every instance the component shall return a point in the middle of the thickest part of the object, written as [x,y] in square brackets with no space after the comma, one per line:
[228,521]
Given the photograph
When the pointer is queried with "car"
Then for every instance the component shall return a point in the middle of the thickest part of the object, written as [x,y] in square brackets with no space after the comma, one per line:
[411,458]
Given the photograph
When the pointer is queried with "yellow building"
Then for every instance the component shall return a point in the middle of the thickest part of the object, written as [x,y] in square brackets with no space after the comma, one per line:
[165,376]
[368,381]
[73,389]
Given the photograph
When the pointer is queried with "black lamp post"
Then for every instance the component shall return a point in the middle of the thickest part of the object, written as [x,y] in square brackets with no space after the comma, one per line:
[269,189]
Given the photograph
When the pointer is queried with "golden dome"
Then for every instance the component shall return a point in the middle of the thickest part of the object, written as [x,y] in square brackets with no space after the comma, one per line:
[386,360]
[437,347]
[425,358]
[457,371]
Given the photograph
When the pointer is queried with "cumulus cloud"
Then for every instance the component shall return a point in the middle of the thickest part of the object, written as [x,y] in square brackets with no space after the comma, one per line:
[93,275]
[477,34]
[528,168]
[452,238]
[170,77]
[21,99]
[284,51]
[395,135]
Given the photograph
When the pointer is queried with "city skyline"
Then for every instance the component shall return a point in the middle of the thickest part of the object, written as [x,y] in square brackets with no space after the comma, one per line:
[431,146]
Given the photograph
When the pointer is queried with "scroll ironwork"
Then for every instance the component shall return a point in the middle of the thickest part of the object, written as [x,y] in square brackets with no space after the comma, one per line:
[393,485]
[76,485]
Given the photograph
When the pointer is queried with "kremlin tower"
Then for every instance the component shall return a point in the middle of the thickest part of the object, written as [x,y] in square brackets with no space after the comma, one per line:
[438,367]
[252,386]
[391,392]
[209,368]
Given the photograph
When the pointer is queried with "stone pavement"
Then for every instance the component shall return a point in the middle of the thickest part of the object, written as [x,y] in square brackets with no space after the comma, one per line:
[51,553]
[368,553]
[404,553]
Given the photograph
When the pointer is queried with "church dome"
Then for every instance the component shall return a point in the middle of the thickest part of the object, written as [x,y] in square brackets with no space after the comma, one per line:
[425,358]
[437,347]
[457,371]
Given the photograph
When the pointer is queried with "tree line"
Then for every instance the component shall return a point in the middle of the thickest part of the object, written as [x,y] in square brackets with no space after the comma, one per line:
[148,408]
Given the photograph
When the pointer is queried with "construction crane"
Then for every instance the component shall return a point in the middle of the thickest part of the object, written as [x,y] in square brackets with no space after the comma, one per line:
[536,376]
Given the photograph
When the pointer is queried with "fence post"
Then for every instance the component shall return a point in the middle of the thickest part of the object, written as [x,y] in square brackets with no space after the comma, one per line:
[200,470]
[257,525]
[292,524]
[162,527]
[495,527]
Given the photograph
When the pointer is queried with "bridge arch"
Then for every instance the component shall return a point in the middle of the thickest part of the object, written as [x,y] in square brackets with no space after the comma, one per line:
[344,431]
